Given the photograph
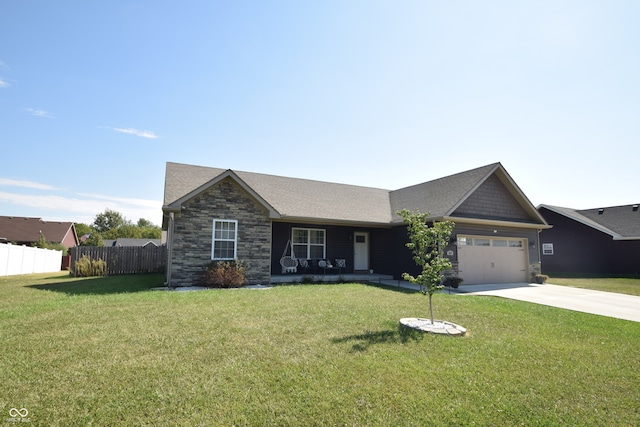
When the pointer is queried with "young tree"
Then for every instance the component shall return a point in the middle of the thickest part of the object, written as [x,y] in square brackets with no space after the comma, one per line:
[427,244]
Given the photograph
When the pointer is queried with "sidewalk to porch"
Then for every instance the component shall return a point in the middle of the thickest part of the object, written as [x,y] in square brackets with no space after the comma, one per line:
[331,278]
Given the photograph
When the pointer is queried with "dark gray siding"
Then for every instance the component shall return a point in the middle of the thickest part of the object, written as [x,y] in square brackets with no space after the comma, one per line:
[339,242]
[492,200]
[580,249]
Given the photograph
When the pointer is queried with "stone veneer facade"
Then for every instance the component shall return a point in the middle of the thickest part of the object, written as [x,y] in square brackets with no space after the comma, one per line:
[193,233]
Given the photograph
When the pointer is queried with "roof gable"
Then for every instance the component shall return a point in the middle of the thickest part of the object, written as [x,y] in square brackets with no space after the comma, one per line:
[440,196]
[494,200]
[122,241]
[177,204]
[485,193]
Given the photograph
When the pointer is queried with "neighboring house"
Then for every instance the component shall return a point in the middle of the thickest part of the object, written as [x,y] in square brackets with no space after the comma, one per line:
[133,242]
[591,241]
[27,231]
[214,213]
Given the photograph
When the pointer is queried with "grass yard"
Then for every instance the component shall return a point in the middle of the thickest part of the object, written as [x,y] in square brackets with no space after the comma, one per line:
[622,285]
[107,351]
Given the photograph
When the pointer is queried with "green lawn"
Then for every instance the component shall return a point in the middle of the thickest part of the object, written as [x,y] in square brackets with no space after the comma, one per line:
[630,286]
[85,352]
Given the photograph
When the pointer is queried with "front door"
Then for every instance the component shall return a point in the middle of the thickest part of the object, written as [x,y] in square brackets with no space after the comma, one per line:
[360,251]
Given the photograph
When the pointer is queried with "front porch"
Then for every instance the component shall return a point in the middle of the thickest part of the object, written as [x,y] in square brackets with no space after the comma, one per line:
[329,278]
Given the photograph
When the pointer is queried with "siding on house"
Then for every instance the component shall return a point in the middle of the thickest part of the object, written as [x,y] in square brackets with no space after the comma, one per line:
[580,249]
[339,242]
[492,200]
[193,233]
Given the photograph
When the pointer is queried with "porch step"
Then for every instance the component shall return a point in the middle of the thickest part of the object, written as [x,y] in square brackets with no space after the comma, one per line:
[328,278]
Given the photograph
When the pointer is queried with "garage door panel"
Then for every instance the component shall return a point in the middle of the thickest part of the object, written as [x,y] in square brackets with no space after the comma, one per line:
[501,261]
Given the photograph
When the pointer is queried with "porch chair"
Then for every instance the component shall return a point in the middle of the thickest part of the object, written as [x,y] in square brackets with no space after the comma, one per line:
[288,263]
[304,264]
[325,265]
[340,264]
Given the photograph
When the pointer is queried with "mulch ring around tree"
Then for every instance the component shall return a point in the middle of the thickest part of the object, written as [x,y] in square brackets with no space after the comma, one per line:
[441,327]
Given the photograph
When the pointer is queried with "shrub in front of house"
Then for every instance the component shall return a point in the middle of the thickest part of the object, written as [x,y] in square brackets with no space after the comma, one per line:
[87,267]
[224,274]
[540,278]
[452,281]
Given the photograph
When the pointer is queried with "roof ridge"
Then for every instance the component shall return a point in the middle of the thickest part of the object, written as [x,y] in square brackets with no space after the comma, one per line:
[307,180]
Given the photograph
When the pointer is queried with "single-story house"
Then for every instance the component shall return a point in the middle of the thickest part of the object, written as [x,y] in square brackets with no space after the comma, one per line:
[126,241]
[27,231]
[218,214]
[599,241]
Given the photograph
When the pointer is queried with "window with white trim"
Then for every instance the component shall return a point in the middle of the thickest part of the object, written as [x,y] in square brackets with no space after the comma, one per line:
[547,249]
[225,239]
[309,243]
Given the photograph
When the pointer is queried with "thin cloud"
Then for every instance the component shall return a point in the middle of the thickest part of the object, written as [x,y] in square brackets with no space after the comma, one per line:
[39,113]
[124,200]
[51,202]
[4,83]
[6,182]
[68,207]
[141,133]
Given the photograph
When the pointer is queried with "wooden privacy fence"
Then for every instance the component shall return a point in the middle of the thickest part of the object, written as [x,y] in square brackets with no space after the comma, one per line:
[124,259]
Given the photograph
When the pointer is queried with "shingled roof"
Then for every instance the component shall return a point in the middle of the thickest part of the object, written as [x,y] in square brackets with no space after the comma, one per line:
[25,230]
[302,199]
[620,222]
[293,198]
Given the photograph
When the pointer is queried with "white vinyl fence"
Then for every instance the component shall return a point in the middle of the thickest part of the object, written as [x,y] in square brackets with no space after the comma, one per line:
[27,260]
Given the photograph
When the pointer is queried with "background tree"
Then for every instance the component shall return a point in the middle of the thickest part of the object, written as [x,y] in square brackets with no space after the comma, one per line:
[108,222]
[87,235]
[94,239]
[148,230]
[427,244]
[113,225]
[82,229]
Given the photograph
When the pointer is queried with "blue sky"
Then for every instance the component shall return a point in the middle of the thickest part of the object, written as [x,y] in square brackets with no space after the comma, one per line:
[95,97]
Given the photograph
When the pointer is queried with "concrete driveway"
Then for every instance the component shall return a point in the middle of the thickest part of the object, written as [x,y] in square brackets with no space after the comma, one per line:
[609,304]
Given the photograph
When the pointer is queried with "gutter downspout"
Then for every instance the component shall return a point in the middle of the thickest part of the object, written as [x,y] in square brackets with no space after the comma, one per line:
[169,249]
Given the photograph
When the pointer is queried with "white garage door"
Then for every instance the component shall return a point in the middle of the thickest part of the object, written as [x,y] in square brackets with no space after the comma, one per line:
[492,260]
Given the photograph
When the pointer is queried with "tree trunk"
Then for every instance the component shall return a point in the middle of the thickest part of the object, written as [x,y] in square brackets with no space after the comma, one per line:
[431,309]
